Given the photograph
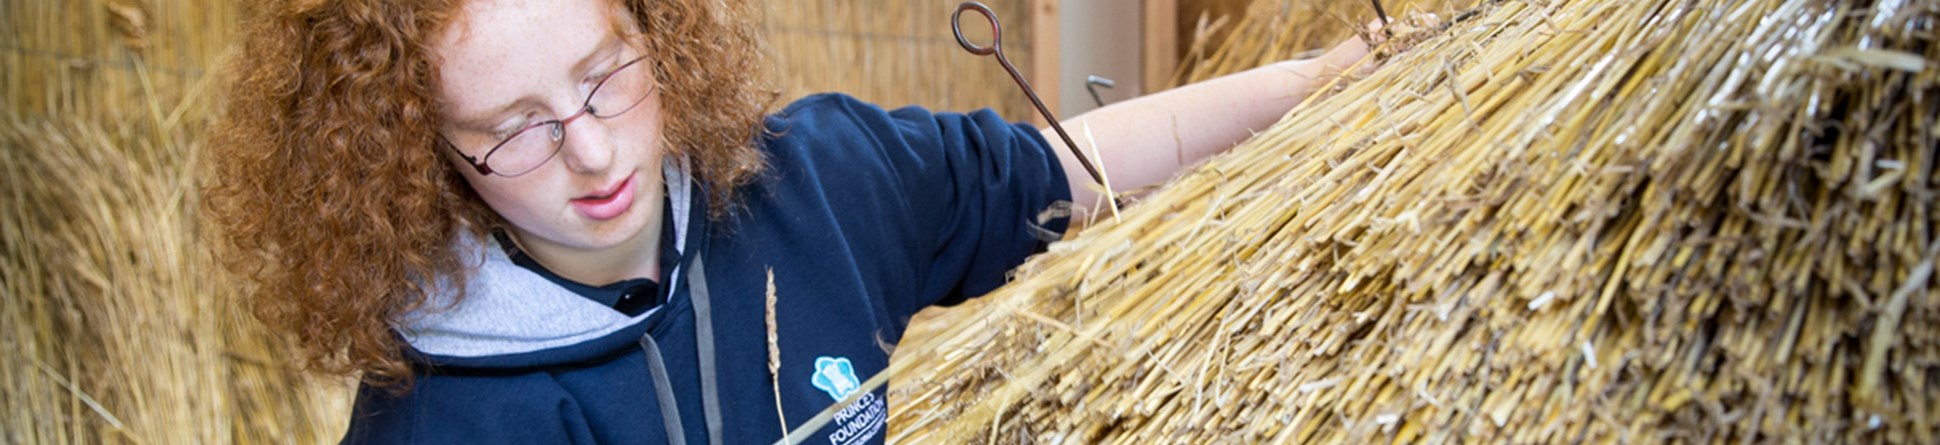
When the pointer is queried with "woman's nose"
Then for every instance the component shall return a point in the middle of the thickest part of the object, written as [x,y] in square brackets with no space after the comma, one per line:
[587,147]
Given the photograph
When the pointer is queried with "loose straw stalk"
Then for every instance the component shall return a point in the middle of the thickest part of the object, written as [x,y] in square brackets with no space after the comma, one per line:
[1650,220]
[774,353]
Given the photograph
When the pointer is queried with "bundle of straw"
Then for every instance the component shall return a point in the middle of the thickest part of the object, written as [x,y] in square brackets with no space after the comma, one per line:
[1276,30]
[116,325]
[1650,220]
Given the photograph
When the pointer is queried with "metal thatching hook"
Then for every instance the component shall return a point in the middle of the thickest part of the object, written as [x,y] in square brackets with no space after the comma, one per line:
[997,47]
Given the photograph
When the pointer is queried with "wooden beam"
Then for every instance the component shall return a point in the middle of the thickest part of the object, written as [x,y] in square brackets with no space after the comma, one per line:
[1043,71]
[1160,53]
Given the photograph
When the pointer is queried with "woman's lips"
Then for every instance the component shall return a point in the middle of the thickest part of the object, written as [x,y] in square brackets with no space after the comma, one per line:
[608,206]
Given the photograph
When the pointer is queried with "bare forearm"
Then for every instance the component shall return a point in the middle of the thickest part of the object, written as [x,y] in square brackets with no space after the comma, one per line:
[1144,141]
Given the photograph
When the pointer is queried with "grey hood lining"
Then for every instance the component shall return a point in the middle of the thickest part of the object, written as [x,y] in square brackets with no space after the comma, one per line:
[509,309]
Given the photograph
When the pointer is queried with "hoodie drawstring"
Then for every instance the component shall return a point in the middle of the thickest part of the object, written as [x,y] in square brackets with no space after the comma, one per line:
[704,338]
[704,341]
[669,410]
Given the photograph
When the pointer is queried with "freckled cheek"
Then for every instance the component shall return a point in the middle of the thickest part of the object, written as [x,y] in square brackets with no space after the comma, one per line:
[520,201]
[643,130]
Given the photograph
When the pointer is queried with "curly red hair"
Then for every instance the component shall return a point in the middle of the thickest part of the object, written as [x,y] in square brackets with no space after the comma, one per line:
[330,198]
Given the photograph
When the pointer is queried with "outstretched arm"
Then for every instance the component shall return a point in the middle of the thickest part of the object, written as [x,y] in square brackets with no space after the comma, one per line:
[1146,140]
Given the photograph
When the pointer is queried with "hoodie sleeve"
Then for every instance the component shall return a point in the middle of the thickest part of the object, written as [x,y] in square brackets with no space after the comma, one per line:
[469,410]
[969,187]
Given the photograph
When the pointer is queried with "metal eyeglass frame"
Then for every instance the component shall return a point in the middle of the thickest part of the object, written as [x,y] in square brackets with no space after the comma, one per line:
[557,126]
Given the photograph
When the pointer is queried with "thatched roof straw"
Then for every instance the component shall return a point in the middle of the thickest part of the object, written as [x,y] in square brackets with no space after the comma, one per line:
[1650,220]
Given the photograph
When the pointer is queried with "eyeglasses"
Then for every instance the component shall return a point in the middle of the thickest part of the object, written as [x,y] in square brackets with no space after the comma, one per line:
[530,147]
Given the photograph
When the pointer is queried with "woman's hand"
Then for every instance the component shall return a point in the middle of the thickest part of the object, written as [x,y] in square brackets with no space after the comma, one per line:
[1348,52]
[1339,59]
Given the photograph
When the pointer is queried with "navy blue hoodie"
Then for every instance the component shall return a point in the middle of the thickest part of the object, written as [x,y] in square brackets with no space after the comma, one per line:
[865,217]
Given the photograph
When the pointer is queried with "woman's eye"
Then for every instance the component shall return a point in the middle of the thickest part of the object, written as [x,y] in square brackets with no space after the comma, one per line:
[508,131]
[597,76]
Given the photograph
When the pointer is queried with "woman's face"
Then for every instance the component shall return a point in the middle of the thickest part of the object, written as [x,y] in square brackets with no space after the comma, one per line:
[509,64]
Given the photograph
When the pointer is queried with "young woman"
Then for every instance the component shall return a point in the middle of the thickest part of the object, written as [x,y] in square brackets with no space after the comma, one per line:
[554,221]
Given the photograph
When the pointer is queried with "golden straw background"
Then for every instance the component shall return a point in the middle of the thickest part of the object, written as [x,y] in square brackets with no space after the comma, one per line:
[117,328]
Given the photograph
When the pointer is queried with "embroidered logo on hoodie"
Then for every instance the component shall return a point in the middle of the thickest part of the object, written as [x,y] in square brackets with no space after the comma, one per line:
[835,376]
[858,422]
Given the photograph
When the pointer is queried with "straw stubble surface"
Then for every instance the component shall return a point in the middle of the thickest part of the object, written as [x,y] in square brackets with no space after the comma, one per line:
[1644,220]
